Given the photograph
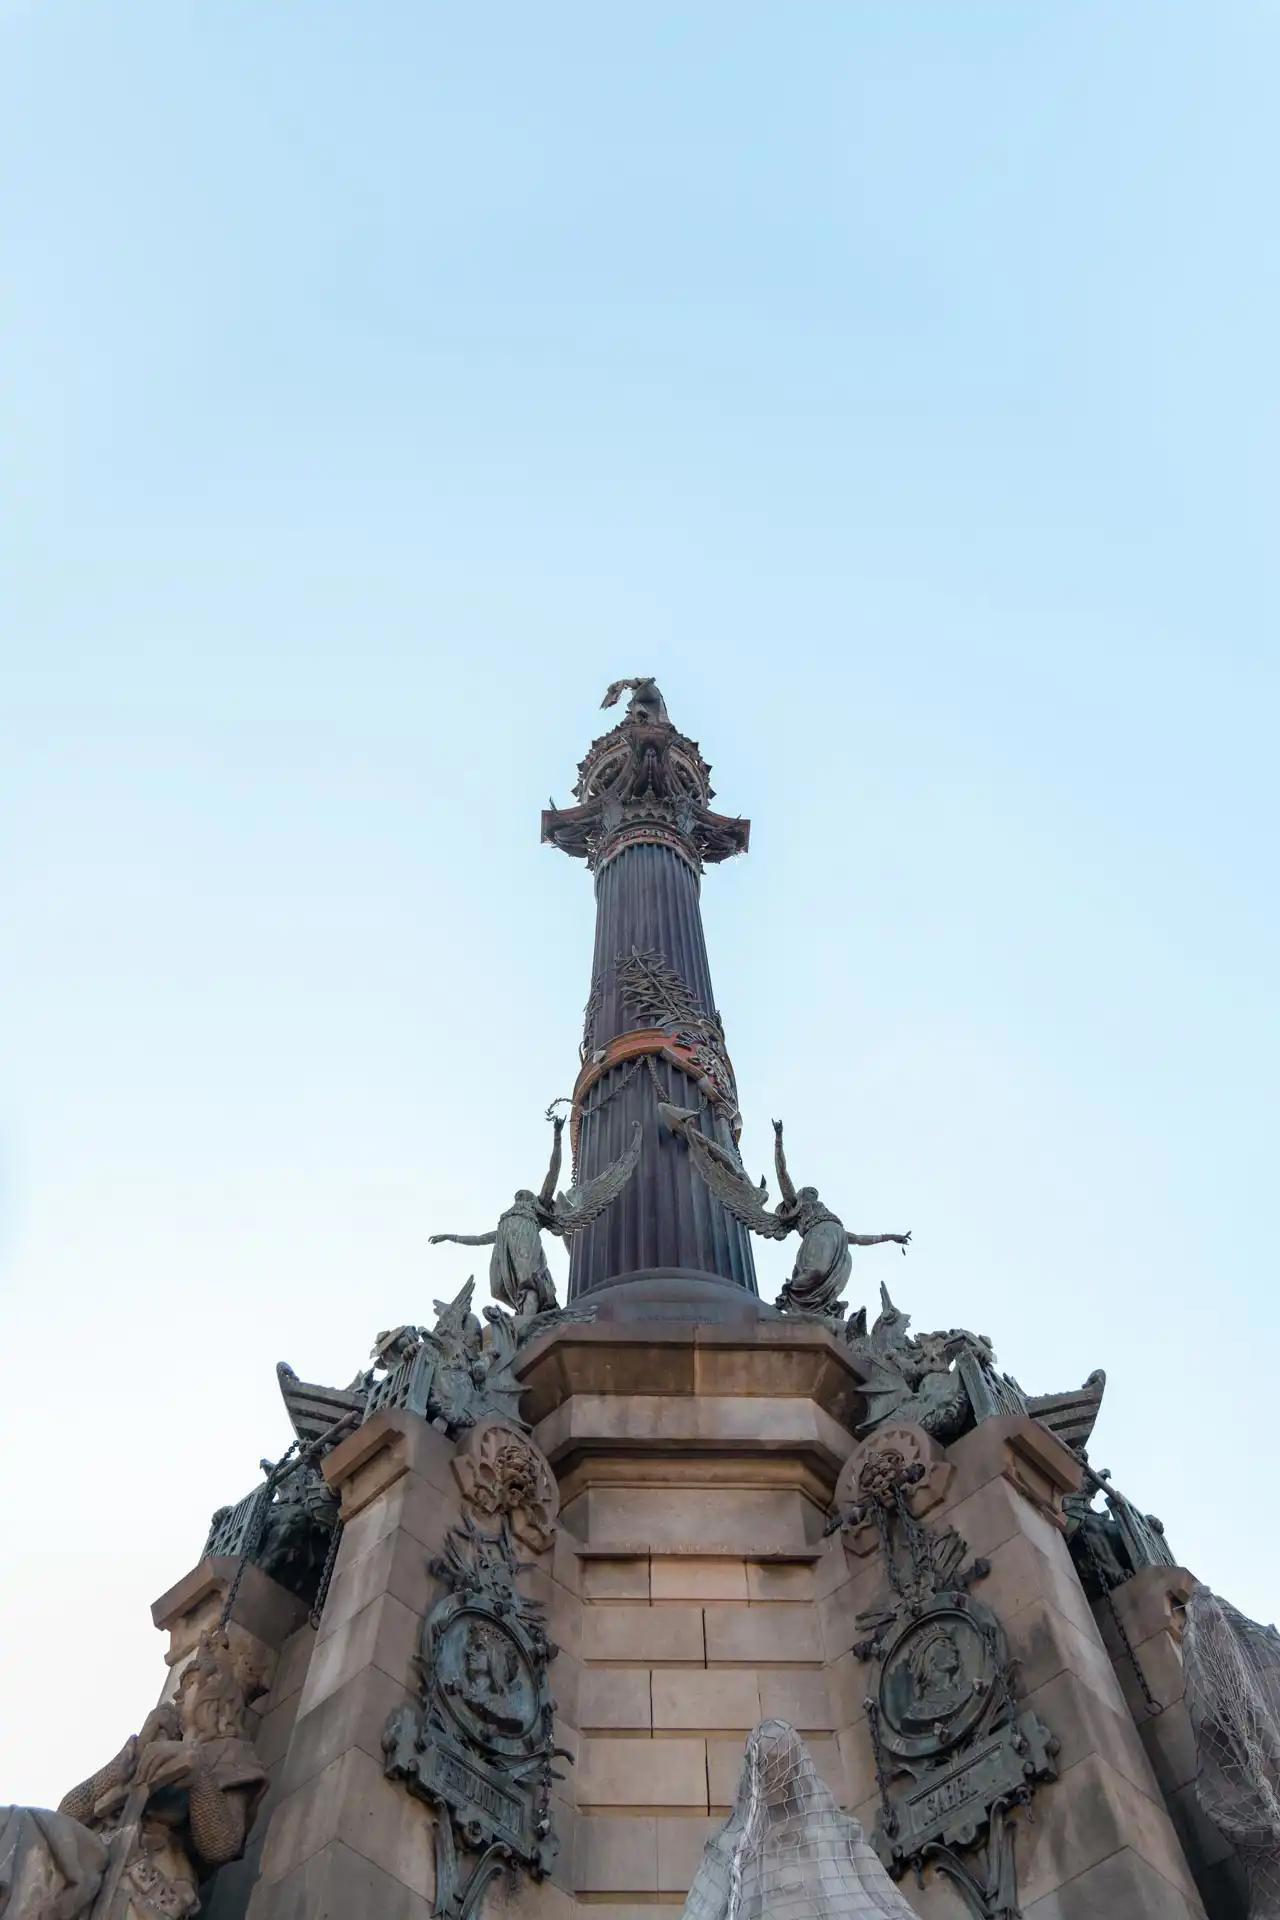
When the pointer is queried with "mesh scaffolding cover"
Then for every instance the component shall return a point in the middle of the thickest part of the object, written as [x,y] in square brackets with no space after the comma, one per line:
[1232,1681]
[786,1851]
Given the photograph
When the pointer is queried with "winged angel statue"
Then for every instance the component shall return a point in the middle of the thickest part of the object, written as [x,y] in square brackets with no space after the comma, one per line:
[518,1273]
[822,1263]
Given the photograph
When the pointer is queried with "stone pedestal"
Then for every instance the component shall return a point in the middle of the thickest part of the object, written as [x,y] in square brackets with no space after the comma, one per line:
[691,1590]
[696,1465]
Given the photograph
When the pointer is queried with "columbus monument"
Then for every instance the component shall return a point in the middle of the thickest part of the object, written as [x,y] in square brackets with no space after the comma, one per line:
[666,1596]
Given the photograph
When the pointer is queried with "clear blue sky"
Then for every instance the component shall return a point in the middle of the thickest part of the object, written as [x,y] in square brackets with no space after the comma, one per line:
[898,383]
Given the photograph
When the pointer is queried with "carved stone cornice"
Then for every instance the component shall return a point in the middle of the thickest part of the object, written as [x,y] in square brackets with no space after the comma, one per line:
[670,1359]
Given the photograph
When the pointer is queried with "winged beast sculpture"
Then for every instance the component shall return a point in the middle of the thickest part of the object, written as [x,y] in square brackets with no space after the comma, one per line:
[518,1273]
[822,1264]
[914,1376]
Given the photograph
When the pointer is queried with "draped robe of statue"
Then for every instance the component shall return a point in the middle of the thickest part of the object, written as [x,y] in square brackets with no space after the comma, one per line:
[519,1276]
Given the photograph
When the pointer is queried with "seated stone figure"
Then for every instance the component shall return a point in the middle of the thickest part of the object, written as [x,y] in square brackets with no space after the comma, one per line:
[176,1801]
[786,1848]
[50,1866]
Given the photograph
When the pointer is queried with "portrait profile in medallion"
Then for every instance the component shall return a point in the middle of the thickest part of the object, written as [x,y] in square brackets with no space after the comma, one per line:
[938,1677]
[488,1684]
[937,1674]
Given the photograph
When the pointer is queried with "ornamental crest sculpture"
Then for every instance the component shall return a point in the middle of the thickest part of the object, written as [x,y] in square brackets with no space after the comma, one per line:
[478,1744]
[450,1374]
[504,1476]
[945,1382]
[952,1752]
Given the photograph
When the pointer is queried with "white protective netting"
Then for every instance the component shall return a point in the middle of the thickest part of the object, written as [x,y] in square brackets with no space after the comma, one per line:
[1232,1690]
[787,1852]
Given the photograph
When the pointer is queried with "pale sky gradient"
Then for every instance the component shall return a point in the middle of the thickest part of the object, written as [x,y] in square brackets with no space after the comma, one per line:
[898,383]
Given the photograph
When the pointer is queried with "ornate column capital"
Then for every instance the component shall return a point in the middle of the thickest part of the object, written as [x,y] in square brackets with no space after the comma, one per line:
[643,783]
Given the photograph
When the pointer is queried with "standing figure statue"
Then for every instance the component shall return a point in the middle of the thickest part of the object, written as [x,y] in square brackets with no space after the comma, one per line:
[646,704]
[518,1272]
[822,1263]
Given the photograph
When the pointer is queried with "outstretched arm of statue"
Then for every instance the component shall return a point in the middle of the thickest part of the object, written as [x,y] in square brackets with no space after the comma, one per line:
[785,1184]
[548,1192]
[878,1239]
[464,1239]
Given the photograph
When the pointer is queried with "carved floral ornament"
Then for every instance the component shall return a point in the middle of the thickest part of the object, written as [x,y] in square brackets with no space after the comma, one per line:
[899,1462]
[503,1475]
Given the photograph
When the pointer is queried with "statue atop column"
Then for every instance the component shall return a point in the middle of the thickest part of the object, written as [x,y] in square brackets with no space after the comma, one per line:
[646,703]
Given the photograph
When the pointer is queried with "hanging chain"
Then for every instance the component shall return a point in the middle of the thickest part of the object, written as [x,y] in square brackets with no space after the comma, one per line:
[888,1818]
[1108,1585]
[614,1090]
[644,1060]
[586,1112]
[322,1591]
[253,1537]
[661,1091]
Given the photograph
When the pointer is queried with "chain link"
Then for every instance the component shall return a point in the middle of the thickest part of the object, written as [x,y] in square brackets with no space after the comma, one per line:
[1108,1594]
[888,1817]
[322,1591]
[644,1060]
[253,1538]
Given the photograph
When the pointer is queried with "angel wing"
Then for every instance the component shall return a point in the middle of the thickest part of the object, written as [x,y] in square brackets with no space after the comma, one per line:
[571,1212]
[726,1180]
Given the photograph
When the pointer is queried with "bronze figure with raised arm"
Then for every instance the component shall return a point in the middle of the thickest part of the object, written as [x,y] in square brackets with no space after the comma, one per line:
[518,1273]
[822,1264]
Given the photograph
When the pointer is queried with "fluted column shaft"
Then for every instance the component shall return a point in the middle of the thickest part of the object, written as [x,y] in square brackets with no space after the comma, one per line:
[665,1218]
